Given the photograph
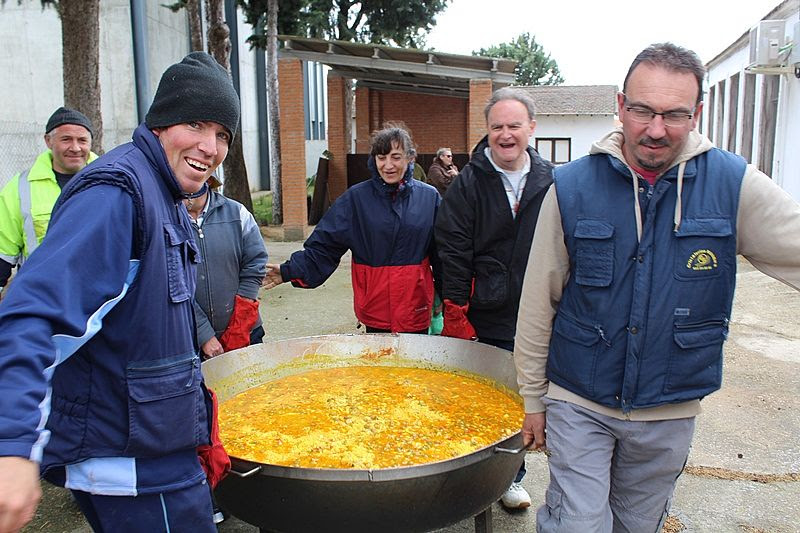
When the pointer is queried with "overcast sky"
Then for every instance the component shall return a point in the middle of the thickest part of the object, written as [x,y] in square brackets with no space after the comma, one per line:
[594,42]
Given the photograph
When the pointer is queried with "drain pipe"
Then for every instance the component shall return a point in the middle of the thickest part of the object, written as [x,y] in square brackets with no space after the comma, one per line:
[140,63]
[262,108]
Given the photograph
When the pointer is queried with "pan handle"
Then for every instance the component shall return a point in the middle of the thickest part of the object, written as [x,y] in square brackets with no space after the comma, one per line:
[246,474]
[512,451]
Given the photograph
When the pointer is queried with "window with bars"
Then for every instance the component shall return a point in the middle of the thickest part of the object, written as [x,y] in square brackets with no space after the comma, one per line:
[557,150]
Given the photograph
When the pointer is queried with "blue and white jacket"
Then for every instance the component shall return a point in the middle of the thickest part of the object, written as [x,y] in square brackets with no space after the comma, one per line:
[99,375]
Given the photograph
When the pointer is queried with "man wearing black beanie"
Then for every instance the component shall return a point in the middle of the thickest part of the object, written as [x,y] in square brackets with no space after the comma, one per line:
[27,199]
[100,383]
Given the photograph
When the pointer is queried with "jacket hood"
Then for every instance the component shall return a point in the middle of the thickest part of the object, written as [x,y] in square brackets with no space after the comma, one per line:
[611,144]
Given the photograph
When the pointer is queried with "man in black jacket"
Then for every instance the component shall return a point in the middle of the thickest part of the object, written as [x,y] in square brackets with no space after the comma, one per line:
[484,231]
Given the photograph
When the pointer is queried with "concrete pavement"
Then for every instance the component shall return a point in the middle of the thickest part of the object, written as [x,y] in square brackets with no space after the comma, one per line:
[749,429]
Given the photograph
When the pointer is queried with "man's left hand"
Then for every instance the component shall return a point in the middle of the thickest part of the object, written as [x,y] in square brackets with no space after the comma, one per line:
[533,430]
[212,347]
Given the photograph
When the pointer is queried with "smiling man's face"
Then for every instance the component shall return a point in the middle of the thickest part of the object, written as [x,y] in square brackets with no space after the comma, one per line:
[70,145]
[194,151]
[510,129]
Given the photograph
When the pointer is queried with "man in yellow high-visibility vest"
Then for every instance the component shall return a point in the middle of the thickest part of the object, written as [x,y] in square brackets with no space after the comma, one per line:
[27,199]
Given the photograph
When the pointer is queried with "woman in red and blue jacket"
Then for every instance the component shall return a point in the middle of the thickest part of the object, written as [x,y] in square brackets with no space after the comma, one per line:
[387,223]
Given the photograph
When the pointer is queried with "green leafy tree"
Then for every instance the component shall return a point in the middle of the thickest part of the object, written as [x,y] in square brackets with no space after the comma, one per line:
[391,22]
[534,65]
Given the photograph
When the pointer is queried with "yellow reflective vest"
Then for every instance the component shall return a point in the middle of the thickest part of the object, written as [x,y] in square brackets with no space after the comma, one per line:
[25,205]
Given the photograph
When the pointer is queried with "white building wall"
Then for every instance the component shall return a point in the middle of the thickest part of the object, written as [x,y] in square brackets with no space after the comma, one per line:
[35,90]
[583,130]
[248,127]
[786,157]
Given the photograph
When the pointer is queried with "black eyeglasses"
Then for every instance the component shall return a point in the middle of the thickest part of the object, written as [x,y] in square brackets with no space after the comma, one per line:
[645,115]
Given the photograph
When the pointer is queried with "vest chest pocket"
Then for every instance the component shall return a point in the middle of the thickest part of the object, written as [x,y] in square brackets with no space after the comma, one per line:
[705,247]
[594,253]
[181,251]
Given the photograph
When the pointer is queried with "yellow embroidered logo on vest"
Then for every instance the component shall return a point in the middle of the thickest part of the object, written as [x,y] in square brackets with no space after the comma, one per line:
[702,260]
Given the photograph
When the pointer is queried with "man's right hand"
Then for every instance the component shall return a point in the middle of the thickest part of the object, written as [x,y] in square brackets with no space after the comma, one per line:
[273,276]
[533,430]
[20,492]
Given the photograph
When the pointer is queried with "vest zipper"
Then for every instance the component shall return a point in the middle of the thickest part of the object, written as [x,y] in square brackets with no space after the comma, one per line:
[699,325]
[602,334]
[147,370]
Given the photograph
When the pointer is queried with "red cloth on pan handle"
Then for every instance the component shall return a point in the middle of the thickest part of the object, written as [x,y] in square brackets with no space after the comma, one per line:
[243,318]
[456,323]
[213,457]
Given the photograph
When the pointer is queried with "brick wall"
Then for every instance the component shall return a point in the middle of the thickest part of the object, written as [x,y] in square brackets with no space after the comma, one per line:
[337,168]
[293,148]
[434,121]
[363,127]
[480,90]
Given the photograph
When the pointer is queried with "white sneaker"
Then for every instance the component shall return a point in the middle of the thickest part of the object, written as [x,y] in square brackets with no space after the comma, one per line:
[516,497]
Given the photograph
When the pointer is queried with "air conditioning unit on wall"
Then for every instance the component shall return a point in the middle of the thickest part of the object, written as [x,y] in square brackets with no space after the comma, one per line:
[766,39]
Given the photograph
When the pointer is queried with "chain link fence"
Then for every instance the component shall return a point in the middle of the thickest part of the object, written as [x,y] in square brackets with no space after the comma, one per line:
[20,143]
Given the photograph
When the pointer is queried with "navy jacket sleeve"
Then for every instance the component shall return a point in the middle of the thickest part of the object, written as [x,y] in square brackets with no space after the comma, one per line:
[323,250]
[83,264]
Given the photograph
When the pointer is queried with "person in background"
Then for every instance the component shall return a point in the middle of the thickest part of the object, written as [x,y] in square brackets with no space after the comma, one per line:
[228,278]
[27,199]
[628,296]
[100,383]
[484,231]
[419,172]
[387,223]
[442,171]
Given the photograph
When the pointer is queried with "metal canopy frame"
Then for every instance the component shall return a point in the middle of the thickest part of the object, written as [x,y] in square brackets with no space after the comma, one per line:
[400,69]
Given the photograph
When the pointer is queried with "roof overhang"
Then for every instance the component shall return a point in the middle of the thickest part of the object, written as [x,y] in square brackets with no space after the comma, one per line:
[400,69]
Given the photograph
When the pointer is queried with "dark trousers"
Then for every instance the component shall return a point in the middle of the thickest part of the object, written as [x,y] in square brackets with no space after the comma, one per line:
[257,335]
[506,345]
[180,511]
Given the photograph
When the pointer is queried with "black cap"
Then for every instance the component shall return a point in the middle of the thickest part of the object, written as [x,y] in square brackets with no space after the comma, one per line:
[196,89]
[64,115]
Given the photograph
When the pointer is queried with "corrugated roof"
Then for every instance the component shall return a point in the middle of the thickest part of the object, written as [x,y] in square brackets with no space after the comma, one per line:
[574,99]
[407,69]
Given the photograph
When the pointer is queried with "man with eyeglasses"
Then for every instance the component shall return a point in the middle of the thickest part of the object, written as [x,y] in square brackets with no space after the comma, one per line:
[626,306]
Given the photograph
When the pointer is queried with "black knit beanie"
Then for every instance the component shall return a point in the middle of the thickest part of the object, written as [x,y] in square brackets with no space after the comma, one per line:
[196,89]
[64,115]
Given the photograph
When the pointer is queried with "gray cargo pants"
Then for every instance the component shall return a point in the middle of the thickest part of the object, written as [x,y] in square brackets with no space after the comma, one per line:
[610,475]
